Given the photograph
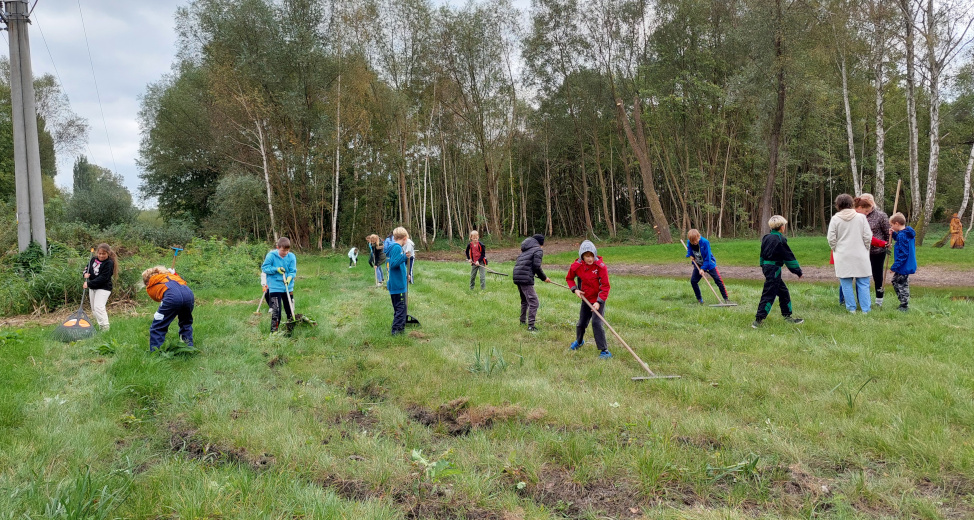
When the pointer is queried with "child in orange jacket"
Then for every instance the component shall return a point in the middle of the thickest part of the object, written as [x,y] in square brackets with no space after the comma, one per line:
[588,278]
[176,300]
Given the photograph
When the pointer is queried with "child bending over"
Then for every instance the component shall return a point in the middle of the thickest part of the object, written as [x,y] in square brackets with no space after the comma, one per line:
[176,301]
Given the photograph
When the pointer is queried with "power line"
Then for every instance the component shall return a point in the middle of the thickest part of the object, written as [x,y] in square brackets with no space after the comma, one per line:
[97,93]
[57,74]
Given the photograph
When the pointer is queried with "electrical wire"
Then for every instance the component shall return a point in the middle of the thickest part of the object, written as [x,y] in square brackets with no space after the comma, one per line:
[37,23]
[97,93]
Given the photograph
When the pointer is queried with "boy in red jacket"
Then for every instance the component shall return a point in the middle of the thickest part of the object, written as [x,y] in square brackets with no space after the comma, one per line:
[588,278]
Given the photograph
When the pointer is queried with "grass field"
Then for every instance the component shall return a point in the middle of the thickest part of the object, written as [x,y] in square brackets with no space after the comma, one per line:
[471,416]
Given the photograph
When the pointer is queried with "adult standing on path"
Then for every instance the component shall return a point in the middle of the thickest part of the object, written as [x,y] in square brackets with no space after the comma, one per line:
[879,226]
[849,237]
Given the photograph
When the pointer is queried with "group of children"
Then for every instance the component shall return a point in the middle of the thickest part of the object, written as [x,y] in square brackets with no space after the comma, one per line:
[587,278]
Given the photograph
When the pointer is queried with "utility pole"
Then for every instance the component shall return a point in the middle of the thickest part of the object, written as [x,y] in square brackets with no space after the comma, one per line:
[27,159]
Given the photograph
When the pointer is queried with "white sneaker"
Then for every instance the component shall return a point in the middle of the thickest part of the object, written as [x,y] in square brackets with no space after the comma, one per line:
[879,302]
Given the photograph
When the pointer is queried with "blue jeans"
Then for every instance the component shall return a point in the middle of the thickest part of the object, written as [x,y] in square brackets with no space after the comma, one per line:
[861,291]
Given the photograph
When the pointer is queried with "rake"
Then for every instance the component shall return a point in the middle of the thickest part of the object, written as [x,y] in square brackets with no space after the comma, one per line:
[77,326]
[491,271]
[298,318]
[720,302]
[652,375]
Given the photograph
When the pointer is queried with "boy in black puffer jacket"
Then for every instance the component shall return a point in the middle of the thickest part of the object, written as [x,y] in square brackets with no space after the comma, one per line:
[527,266]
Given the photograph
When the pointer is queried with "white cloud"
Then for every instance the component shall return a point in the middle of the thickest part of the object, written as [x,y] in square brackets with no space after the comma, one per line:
[132,44]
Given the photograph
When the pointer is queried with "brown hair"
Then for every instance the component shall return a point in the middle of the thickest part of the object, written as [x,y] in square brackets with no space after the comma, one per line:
[898,218]
[863,202]
[844,201]
[693,234]
[111,254]
[284,242]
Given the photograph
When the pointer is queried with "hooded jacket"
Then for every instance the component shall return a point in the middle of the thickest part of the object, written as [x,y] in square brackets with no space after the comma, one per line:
[904,252]
[709,261]
[397,269]
[101,274]
[159,284]
[593,279]
[528,263]
[849,238]
[275,280]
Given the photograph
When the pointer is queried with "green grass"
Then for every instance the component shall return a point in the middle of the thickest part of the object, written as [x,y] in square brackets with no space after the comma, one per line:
[841,417]
[739,252]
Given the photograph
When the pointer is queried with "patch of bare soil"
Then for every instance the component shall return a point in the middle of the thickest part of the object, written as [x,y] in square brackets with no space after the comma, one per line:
[43,318]
[422,500]
[457,417]
[355,416]
[798,486]
[193,445]
[279,359]
[556,490]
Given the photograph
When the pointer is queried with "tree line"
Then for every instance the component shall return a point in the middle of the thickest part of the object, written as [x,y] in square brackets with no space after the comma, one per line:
[326,120]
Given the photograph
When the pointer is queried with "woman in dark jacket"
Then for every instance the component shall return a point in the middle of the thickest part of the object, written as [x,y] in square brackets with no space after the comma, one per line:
[527,266]
[879,225]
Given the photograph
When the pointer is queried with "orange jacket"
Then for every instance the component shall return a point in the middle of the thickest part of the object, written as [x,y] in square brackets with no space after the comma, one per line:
[157,285]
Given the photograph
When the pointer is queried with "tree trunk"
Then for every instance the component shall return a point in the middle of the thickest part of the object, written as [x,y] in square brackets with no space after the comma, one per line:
[779,117]
[856,181]
[723,190]
[933,166]
[338,154]
[879,190]
[911,108]
[967,186]
[262,142]
[637,142]
[605,192]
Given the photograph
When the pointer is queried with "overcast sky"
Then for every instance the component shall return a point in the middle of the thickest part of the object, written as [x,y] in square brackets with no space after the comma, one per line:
[132,44]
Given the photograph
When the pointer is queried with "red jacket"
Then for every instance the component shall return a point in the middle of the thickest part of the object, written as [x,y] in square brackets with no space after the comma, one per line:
[593,279]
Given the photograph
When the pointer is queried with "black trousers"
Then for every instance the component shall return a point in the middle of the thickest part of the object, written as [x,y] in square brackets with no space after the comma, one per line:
[876,261]
[585,315]
[277,301]
[774,287]
[695,278]
[398,313]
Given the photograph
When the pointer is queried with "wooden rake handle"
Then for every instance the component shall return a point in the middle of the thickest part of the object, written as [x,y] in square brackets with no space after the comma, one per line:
[614,333]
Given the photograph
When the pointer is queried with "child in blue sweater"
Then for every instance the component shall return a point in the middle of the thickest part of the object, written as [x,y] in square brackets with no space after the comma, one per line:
[280,266]
[904,258]
[703,262]
[397,283]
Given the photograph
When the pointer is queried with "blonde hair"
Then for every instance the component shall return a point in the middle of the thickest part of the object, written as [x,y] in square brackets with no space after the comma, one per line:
[399,233]
[372,239]
[777,222]
[152,271]
[692,235]
[898,218]
[869,197]
[475,233]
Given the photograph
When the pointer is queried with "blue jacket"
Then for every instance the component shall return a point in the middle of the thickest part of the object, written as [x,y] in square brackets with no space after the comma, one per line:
[904,252]
[272,261]
[397,269]
[709,261]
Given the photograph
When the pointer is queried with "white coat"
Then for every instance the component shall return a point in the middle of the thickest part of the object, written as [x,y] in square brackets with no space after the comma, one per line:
[849,237]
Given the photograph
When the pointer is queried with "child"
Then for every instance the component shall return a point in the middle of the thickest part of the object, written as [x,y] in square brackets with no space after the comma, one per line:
[176,300]
[376,257]
[704,262]
[397,279]
[98,280]
[352,257]
[904,259]
[477,256]
[775,253]
[281,266]
[588,278]
[527,266]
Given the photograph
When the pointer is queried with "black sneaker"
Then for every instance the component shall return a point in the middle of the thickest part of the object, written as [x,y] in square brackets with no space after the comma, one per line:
[532,328]
[795,321]
[756,324]
[902,308]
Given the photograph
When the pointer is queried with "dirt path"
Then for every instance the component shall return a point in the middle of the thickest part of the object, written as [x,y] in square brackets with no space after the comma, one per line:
[928,276]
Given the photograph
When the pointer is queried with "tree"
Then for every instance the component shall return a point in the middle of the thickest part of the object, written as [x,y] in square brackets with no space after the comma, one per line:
[99,198]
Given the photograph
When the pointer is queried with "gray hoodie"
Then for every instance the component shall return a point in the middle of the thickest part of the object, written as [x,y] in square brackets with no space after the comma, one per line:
[587,247]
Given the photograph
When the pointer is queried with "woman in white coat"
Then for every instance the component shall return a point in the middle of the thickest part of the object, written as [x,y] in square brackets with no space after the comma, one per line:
[849,237]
